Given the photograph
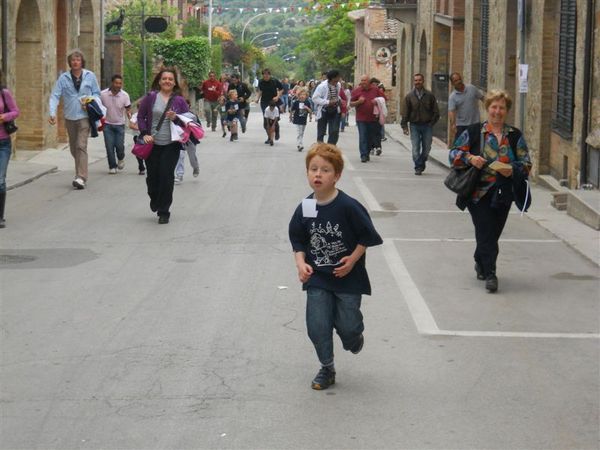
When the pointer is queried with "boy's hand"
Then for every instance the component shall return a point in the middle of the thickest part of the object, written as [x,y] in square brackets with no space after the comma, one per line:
[304,272]
[346,267]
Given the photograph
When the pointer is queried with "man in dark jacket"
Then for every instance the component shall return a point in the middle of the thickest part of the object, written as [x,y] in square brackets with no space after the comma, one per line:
[420,108]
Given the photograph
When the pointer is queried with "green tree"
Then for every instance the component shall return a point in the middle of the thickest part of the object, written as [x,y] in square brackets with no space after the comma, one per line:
[191,55]
[329,44]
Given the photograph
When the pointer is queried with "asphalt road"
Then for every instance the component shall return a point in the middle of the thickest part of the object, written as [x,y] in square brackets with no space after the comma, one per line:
[119,333]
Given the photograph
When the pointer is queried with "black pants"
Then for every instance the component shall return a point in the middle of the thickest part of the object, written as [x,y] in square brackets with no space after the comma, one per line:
[489,223]
[333,120]
[160,177]
[375,137]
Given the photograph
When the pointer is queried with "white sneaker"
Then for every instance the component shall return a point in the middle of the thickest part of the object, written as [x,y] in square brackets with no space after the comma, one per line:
[178,180]
[78,183]
[112,171]
[121,164]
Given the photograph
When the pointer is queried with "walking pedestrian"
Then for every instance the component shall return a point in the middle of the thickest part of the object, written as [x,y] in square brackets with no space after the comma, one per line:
[243,97]
[269,89]
[117,104]
[330,232]
[298,115]
[363,99]
[345,119]
[420,109]
[271,120]
[157,110]
[463,106]
[211,89]
[328,101]
[500,152]
[9,111]
[285,84]
[75,86]
[189,148]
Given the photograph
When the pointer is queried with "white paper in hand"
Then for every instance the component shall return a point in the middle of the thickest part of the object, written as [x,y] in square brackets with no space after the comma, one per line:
[309,207]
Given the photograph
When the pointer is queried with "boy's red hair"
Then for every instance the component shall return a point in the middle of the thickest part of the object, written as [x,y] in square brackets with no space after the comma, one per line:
[329,153]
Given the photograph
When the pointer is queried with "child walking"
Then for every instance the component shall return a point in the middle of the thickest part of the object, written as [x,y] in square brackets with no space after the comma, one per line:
[298,113]
[222,110]
[272,116]
[330,232]
[233,114]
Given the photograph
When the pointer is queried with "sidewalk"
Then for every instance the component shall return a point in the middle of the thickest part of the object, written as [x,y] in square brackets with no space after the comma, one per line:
[30,165]
[580,237]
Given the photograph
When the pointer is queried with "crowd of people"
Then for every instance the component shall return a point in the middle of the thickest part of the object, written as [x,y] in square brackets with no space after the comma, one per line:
[328,218]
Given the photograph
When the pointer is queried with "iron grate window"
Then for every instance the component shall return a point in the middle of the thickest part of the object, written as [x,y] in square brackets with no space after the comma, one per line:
[565,70]
[483,44]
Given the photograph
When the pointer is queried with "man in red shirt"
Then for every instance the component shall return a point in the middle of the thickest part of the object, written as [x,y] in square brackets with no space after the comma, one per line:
[211,91]
[363,99]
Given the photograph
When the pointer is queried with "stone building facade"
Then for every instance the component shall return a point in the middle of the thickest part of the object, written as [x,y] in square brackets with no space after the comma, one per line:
[486,40]
[40,33]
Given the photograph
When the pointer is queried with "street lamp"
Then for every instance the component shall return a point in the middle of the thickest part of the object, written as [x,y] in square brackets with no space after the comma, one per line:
[260,43]
[244,32]
[276,33]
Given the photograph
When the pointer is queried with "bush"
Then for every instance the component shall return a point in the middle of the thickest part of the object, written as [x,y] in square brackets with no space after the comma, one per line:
[192,56]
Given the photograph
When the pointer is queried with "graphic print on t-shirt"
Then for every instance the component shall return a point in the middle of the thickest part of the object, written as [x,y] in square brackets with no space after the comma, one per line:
[326,244]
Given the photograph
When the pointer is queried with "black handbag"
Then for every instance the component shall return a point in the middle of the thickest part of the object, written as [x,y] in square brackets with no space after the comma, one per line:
[9,126]
[462,180]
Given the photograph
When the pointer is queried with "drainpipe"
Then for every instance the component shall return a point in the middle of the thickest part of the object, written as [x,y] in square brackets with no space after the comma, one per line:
[523,36]
[4,36]
[587,61]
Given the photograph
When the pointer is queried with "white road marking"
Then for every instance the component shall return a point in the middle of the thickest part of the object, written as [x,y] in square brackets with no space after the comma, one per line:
[535,241]
[424,320]
[370,199]
[419,310]
[347,164]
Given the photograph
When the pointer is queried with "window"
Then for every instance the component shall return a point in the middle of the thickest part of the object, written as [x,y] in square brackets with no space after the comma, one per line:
[562,121]
[483,43]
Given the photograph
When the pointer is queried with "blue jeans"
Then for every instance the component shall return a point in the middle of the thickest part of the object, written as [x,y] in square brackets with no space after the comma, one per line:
[331,120]
[5,150]
[326,310]
[421,136]
[366,136]
[114,140]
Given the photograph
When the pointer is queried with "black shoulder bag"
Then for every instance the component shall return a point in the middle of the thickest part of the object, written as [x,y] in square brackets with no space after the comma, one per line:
[9,126]
[463,180]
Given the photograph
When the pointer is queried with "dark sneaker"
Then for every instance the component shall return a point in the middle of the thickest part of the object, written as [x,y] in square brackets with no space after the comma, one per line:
[363,159]
[271,143]
[224,133]
[324,379]
[163,219]
[277,135]
[491,283]
[479,272]
[378,152]
[359,345]
[232,138]
[268,141]
[418,172]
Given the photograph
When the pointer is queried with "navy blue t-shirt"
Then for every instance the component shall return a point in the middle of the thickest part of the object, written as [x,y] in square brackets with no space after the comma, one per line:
[338,228]
[299,115]
[231,105]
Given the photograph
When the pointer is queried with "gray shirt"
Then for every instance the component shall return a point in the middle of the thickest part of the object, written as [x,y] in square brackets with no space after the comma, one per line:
[466,105]
[163,137]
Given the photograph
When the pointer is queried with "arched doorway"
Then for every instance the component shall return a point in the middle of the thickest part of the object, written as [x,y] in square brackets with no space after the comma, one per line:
[29,86]
[86,32]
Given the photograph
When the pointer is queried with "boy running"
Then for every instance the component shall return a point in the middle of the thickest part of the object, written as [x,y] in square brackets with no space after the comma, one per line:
[330,232]
[233,114]
[271,119]
[298,113]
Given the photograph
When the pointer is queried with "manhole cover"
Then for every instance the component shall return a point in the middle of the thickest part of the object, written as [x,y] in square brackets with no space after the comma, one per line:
[16,259]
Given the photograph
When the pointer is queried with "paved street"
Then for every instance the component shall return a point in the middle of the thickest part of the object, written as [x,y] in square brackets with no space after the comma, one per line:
[120,333]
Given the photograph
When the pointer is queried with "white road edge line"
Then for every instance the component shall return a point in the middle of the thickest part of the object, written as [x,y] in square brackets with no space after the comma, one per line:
[534,241]
[424,320]
[419,310]
[370,200]
[347,163]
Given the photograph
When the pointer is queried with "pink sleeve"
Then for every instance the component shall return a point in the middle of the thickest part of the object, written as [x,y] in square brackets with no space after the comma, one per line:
[11,110]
